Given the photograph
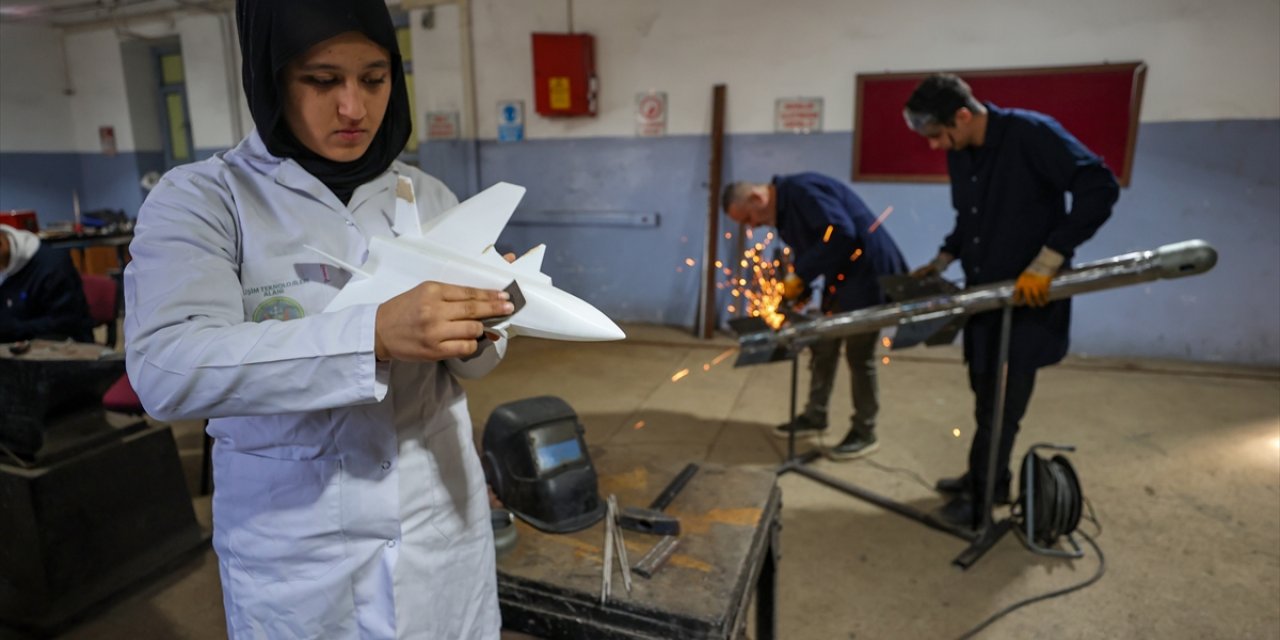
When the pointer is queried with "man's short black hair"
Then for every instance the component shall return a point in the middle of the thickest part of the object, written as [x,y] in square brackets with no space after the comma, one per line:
[733,192]
[939,96]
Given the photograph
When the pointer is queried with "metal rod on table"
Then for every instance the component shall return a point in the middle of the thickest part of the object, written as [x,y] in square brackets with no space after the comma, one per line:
[657,556]
[620,542]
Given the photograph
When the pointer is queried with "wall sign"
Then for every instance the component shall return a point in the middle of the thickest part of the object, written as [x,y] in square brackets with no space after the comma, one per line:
[651,114]
[442,125]
[107,138]
[511,121]
[797,115]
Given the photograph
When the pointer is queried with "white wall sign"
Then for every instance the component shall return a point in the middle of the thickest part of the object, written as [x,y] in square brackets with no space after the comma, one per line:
[651,114]
[797,115]
[511,121]
[107,138]
[442,125]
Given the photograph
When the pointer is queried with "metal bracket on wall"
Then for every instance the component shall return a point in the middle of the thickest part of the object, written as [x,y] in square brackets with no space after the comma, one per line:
[585,219]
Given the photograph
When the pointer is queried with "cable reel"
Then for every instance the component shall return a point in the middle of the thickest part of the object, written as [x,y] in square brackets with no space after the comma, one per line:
[1051,503]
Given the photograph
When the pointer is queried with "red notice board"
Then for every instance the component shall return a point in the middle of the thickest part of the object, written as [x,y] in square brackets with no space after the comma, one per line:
[1098,104]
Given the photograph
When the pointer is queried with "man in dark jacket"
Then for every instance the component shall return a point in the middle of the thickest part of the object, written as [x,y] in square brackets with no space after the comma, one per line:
[40,291]
[834,235]
[1010,170]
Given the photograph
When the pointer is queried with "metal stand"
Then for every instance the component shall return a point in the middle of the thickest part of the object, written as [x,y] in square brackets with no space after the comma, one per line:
[991,532]
[988,532]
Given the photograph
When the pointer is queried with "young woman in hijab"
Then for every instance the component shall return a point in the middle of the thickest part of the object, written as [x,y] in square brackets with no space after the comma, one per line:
[350,502]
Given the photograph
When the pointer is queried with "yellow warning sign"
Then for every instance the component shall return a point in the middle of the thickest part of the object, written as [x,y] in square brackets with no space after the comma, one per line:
[559,86]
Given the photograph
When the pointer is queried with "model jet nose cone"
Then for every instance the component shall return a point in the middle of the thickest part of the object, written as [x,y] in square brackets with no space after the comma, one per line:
[552,313]
[586,323]
[611,332]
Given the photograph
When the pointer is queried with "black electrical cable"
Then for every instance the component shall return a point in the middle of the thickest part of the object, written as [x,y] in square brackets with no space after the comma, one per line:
[1102,567]
[900,470]
[1058,509]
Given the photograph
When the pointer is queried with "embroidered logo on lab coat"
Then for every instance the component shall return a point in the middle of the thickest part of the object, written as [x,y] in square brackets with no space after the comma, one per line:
[278,308]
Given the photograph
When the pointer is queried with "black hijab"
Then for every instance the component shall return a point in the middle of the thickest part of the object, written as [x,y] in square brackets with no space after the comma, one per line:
[273,32]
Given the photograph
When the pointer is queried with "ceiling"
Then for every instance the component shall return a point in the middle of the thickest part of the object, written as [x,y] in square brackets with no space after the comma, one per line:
[77,12]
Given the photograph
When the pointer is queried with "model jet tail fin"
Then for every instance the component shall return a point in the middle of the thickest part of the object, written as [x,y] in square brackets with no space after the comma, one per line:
[407,222]
[529,265]
[474,225]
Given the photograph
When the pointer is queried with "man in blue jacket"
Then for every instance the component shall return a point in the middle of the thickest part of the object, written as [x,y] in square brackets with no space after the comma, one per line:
[1010,171]
[40,291]
[834,235]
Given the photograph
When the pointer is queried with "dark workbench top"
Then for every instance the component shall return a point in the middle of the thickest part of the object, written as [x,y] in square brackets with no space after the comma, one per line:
[549,584]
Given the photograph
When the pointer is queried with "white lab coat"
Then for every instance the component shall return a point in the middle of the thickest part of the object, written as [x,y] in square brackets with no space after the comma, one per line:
[349,500]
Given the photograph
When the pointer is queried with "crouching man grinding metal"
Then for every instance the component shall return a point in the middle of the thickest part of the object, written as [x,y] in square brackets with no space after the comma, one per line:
[350,501]
[1010,170]
[834,235]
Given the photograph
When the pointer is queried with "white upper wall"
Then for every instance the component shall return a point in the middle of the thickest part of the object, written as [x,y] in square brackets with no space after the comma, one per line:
[100,98]
[1207,61]
[35,113]
[437,65]
[219,114]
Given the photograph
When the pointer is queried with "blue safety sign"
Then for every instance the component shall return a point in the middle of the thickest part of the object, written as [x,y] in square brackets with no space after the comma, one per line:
[511,121]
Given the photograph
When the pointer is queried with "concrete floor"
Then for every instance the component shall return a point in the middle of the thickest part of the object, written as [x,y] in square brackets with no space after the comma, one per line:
[1181,463]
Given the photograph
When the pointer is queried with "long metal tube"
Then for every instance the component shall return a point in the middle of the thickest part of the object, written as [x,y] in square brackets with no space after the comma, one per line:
[1177,260]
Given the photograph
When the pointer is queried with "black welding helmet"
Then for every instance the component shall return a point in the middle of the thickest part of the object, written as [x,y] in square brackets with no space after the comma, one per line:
[536,460]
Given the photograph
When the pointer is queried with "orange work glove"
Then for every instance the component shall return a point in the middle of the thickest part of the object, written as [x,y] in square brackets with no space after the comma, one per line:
[1032,287]
[792,287]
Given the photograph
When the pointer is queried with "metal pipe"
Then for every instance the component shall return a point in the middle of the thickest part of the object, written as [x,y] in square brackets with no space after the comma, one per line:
[231,60]
[471,128]
[1177,260]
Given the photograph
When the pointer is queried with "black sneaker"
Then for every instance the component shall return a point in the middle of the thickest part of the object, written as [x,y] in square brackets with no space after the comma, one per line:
[854,445]
[953,486]
[804,426]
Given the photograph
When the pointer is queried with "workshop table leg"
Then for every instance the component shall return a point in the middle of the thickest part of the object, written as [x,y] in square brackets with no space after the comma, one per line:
[767,587]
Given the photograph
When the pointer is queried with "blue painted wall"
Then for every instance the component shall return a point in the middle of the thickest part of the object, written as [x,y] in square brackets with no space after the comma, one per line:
[39,181]
[45,182]
[631,273]
[1219,181]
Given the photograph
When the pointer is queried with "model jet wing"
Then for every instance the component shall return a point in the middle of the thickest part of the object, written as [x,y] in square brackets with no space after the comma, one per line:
[457,248]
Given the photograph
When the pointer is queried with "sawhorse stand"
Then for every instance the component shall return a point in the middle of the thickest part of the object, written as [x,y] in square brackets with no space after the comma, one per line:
[989,531]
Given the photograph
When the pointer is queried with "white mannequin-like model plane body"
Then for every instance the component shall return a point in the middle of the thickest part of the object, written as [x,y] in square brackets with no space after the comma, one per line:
[457,248]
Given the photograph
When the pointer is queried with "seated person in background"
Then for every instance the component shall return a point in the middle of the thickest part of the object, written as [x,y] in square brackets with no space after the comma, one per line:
[40,291]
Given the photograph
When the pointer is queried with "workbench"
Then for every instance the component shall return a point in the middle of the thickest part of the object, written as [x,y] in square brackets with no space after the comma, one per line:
[549,584]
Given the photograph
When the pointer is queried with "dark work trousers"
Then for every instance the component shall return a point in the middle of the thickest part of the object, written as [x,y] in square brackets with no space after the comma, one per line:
[860,351]
[1017,396]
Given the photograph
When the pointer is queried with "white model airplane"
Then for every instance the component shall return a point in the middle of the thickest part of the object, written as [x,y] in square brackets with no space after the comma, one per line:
[457,248]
